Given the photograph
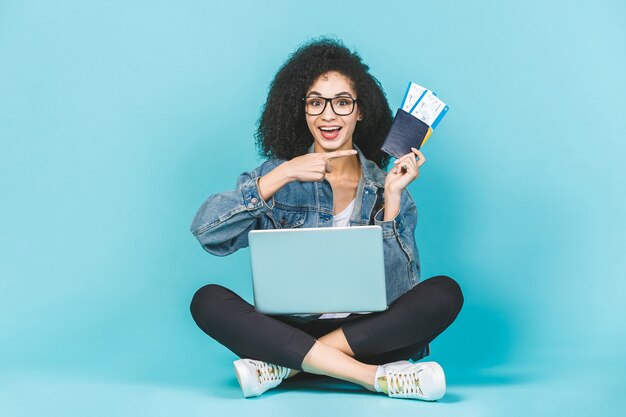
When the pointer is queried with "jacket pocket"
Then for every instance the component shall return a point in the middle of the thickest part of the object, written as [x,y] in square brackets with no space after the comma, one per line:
[287,219]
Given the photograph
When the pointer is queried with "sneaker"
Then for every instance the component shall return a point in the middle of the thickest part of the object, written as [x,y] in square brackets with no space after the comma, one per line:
[256,377]
[423,380]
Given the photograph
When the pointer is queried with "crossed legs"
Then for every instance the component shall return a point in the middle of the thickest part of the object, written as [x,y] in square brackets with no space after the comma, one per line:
[332,356]
[349,352]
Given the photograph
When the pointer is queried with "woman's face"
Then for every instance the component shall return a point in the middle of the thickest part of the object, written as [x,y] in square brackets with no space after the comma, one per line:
[330,131]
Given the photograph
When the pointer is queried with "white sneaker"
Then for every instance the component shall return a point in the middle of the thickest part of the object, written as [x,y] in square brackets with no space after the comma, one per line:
[422,380]
[256,377]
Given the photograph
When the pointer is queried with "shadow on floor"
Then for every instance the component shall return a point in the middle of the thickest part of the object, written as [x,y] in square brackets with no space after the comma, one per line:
[319,383]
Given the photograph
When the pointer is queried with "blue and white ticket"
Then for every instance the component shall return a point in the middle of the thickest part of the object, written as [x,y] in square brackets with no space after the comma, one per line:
[430,109]
[423,104]
[414,93]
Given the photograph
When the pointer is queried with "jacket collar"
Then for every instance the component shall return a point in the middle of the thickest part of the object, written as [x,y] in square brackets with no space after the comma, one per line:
[372,174]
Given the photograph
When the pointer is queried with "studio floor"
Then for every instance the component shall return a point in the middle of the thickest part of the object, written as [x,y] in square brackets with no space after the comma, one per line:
[583,390]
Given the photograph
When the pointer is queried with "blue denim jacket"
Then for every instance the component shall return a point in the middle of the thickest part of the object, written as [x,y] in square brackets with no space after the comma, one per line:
[224,220]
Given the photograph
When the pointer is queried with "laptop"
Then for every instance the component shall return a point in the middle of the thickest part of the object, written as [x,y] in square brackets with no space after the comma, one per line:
[318,270]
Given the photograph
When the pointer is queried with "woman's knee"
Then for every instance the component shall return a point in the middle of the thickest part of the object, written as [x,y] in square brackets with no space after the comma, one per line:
[448,294]
[206,304]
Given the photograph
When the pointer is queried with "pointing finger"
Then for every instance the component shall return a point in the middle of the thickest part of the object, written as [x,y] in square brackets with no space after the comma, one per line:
[339,154]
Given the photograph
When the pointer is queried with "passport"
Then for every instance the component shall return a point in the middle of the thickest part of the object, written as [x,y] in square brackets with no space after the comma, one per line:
[420,112]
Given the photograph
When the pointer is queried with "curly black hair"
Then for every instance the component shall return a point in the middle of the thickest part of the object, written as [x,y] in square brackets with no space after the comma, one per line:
[282,131]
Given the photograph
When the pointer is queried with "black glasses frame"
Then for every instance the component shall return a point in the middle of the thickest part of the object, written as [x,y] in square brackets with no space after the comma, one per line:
[330,100]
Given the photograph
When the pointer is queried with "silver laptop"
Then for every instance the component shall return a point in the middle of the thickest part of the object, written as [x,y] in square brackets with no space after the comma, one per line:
[318,270]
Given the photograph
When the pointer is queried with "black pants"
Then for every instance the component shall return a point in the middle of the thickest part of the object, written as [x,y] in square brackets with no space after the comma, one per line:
[406,327]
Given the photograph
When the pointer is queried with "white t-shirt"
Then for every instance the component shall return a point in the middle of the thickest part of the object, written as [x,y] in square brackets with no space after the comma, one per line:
[343,218]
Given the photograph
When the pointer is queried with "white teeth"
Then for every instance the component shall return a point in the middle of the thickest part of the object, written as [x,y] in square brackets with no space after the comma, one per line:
[329,129]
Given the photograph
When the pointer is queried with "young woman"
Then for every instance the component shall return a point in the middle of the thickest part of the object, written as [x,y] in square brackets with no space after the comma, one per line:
[321,129]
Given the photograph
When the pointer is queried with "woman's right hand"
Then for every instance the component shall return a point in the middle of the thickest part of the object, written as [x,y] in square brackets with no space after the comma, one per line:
[312,166]
[309,167]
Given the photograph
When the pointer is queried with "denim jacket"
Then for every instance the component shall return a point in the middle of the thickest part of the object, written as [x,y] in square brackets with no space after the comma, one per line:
[224,219]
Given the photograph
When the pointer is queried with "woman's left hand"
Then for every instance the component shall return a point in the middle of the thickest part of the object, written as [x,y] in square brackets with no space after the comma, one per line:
[398,178]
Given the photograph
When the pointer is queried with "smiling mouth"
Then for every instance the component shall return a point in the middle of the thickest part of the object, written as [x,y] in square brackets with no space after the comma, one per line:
[330,132]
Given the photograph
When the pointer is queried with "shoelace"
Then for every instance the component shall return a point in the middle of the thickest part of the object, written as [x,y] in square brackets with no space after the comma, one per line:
[404,382]
[268,372]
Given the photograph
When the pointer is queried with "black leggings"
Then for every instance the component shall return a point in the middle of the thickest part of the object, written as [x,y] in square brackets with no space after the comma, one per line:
[406,327]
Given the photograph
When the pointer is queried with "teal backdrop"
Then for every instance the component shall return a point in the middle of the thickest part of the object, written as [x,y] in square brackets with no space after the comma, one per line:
[117,120]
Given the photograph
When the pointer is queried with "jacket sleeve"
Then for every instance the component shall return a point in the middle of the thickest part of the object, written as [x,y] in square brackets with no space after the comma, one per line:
[222,223]
[399,237]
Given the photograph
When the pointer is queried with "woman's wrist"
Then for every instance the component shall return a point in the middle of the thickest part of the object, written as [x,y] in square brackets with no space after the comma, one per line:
[273,181]
[392,204]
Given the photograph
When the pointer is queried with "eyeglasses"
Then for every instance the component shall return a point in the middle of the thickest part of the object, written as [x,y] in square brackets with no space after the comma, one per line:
[342,106]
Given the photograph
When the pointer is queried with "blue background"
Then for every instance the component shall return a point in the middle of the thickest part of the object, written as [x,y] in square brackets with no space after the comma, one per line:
[117,119]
